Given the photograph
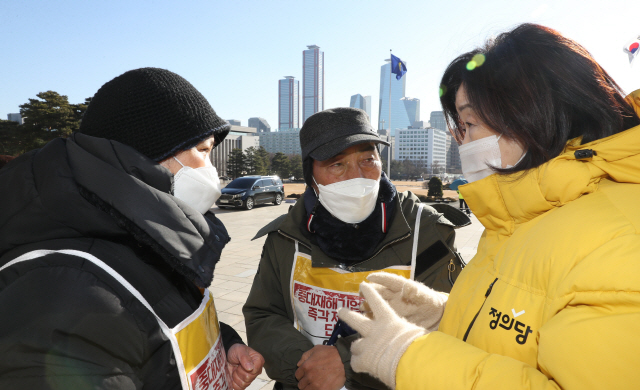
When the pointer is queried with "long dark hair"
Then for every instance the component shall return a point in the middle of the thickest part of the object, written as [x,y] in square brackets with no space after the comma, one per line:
[539,88]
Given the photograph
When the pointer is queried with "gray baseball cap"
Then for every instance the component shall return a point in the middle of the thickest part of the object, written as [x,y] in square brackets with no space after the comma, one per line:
[329,132]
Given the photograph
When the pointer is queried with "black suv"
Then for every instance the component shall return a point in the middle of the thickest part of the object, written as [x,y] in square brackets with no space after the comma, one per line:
[248,191]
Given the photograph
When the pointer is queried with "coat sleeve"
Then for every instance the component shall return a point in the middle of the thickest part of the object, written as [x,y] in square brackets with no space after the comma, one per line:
[589,341]
[229,337]
[61,329]
[269,319]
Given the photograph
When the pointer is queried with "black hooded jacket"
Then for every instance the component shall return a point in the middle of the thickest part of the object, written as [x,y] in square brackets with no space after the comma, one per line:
[64,322]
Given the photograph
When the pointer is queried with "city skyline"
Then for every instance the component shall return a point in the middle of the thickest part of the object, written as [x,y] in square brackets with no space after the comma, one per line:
[235,61]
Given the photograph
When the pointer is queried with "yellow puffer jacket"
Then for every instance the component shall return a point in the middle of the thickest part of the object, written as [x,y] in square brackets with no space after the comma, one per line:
[552,297]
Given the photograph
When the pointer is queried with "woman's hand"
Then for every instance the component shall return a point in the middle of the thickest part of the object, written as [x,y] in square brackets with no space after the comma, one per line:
[411,300]
[384,340]
[243,365]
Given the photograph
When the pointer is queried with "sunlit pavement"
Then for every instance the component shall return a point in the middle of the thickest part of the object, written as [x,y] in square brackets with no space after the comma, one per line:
[235,271]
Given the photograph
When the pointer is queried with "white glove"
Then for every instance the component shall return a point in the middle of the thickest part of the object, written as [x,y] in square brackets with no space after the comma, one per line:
[384,340]
[412,300]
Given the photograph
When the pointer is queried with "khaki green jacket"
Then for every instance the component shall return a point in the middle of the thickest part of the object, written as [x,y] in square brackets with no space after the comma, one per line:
[268,313]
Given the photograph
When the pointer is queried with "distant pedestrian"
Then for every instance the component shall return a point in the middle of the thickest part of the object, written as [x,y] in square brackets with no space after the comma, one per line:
[463,204]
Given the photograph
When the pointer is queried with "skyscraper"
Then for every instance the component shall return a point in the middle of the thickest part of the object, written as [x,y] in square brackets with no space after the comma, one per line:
[288,103]
[312,81]
[361,102]
[412,106]
[437,120]
[16,118]
[367,102]
[454,165]
[399,117]
[260,124]
[453,154]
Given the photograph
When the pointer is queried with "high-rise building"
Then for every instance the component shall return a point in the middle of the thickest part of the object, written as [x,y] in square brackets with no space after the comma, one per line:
[234,122]
[454,165]
[453,154]
[357,101]
[16,118]
[412,106]
[399,117]
[239,137]
[385,151]
[288,103]
[437,120]
[426,147]
[259,124]
[367,102]
[312,81]
[361,102]
[286,141]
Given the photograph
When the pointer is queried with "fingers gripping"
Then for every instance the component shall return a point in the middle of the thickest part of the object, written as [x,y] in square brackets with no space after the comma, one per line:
[246,362]
[379,307]
[355,320]
[391,281]
[384,292]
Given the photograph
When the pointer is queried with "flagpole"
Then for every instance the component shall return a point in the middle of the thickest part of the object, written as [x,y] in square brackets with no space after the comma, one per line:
[389,133]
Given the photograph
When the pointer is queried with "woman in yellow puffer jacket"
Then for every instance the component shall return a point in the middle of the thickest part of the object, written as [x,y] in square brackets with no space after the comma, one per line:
[551,300]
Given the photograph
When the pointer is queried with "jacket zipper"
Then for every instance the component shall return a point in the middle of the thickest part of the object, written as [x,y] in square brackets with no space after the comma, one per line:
[294,239]
[363,261]
[452,268]
[452,265]
[486,295]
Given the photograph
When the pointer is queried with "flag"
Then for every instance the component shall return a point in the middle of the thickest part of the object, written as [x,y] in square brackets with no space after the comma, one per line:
[632,48]
[398,67]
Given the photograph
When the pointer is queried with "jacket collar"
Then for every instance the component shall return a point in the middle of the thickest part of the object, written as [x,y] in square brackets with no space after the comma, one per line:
[135,192]
[503,202]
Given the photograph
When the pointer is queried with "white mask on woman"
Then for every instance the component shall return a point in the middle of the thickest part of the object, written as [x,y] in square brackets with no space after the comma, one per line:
[351,201]
[479,156]
[197,187]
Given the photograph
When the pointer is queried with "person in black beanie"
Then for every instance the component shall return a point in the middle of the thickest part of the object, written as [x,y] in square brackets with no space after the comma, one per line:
[349,223]
[107,247]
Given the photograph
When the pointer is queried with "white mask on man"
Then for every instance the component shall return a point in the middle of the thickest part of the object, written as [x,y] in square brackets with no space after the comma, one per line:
[351,201]
[479,156]
[197,187]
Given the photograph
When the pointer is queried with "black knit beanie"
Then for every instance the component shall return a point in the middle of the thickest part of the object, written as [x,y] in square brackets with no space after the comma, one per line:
[155,111]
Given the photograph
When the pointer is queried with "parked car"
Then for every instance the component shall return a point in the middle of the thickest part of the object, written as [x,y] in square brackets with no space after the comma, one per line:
[248,191]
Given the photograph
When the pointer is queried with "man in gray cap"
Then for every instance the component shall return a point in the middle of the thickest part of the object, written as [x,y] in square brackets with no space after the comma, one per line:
[349,223]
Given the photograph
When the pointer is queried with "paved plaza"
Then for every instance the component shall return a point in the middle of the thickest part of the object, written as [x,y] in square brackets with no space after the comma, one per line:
[238,265]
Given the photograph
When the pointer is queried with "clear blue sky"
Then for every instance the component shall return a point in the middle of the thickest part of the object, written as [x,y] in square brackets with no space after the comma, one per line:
[235,52]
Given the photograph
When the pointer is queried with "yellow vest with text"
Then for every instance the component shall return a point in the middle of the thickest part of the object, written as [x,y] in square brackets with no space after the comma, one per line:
[196,343]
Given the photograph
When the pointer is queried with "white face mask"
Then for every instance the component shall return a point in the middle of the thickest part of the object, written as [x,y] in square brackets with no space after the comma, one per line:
[351,201]
[198,187]
[478,157]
